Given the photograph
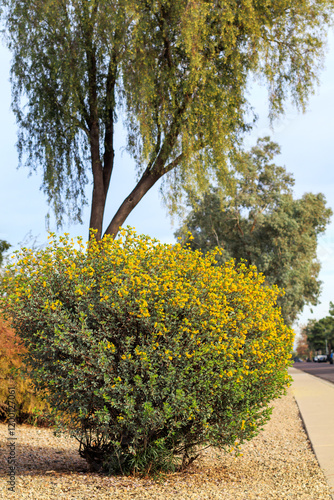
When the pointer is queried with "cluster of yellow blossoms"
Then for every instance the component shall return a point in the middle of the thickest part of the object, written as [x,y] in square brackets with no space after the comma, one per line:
[164,314]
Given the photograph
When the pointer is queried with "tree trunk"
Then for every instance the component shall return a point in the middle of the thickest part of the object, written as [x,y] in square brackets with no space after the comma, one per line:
[98,197]
[147,180]
[155,170]
[101,173]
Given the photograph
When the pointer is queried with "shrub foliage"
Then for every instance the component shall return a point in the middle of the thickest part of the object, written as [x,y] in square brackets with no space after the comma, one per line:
[148,351]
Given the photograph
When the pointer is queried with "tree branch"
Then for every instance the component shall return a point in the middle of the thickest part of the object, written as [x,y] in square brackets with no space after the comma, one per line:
[148,179]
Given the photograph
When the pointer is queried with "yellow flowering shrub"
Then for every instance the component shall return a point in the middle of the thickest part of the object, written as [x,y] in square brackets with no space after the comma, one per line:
[148,351]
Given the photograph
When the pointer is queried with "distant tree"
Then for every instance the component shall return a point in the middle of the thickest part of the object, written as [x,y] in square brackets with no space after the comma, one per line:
[303,349]
[176,70]
[264,225]
[4,245]
[320,334]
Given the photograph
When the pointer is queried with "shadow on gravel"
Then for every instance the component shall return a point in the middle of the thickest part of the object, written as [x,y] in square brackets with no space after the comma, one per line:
[36,460]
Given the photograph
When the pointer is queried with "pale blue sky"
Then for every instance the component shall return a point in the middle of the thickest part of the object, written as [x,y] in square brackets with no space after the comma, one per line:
[307,152]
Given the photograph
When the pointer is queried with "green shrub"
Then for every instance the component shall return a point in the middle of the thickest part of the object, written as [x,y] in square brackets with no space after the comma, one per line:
[148,351]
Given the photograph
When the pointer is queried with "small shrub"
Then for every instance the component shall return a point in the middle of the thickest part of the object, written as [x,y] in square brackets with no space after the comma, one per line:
[29,405]
[148,351]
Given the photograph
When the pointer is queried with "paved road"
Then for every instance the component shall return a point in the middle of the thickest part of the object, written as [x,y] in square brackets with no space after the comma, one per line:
[322,370]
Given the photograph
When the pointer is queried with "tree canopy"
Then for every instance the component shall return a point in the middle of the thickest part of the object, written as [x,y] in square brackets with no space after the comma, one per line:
[264,225]
[176,71]
[320,334]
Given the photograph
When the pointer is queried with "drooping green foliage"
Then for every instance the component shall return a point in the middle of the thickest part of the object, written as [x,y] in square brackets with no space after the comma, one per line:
[65,57]
[264,225]
[320,334]
[147,351]
[4,246]
[177,71]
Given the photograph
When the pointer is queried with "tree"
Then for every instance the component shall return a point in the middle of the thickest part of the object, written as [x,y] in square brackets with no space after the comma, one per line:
[264,225]
[303,349]
[177,71]
[4,245]
[320,334]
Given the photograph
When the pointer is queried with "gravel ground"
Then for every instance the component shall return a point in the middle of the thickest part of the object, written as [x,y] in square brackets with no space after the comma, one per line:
[277,464]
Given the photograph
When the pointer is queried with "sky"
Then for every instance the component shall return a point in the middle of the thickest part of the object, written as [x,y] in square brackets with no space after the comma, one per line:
[306,142]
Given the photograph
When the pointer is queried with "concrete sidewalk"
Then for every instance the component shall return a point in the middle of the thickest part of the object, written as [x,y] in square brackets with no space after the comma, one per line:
[315,399]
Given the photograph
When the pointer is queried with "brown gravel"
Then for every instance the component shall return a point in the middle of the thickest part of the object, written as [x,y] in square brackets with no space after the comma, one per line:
[277,464]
